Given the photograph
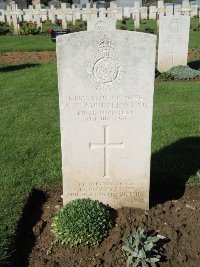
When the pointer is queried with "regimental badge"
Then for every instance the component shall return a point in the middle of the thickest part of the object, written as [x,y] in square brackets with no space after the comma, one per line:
[104,69]
[174,25]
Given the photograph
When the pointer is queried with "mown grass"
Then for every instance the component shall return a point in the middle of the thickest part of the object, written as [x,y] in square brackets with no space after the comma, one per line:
[43,42]
[30,138]
[26,43]
[146,25]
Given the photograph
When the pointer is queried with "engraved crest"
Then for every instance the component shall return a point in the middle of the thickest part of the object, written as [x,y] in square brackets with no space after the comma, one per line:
[101,26]
[104,68]
[174,25]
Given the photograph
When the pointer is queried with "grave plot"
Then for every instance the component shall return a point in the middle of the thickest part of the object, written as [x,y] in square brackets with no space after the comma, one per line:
[133,148]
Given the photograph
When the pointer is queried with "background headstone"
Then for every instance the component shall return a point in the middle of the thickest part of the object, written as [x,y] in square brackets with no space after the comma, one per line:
[169,9]
[173,41]
[143,12]
[101,24]
[177,9]
[102,4]
[152,12]
[55,3]
[106,84]
[125,3]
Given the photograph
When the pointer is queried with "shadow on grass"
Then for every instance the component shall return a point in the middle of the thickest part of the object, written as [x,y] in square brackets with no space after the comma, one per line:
[194,64]
[18,67]
[25,238]
[171,168]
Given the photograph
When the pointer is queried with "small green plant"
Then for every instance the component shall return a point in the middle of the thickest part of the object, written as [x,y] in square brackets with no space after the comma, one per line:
[123,27]
[4,28]
[140,249]
[4,256]
[196,28]
[28,27]
[82,26]
[166,76]
[180,73]
[82,221]
[149,30]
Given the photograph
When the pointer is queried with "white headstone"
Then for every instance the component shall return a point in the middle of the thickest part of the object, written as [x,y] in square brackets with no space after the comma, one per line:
[8,16]
[143,11]
[186,7]
[101,24]
[2,15]
[102,12]
[173,41]
[169,10]
[194,11]
[63,12]
[152,12]
[94,13]
[106,85]
[77,13]
[69,14]
[127,12]
[119,14]
[177,9]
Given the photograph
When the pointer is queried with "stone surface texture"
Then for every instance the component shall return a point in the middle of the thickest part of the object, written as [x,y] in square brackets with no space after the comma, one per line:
[173,41]
[106,86]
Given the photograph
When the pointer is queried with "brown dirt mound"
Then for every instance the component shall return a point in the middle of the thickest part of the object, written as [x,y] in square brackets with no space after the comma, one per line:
[20,57]
[178,220]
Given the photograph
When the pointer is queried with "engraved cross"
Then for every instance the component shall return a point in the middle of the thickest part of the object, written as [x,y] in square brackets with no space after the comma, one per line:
[106,145]
[173,52]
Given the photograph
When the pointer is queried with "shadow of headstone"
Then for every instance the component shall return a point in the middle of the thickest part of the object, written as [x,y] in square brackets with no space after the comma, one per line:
[194,64]
[18,67]
[24,237]
[171,168]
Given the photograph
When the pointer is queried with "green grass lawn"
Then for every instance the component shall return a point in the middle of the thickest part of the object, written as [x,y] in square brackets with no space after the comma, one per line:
[194,41]
[43,42]
[26,43]
[30,138]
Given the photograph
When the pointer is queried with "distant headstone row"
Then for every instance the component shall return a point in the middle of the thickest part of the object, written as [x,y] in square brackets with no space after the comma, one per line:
[70,14]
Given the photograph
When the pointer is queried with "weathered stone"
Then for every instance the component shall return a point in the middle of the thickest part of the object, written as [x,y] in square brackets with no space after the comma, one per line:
[106,84]
[173,41]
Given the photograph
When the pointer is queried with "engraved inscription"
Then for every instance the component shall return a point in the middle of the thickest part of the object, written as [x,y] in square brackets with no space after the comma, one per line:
[113,190]
[104,69]
[106,108]
[106,145]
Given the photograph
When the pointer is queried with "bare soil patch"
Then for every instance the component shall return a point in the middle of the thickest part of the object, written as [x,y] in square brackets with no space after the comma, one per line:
[20,57]
[178,220]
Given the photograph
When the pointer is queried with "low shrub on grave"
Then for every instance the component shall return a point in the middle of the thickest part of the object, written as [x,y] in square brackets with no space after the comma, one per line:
[166,76]
[82,221]
[124,22]
[149,30]
[180,73]
[196,28]
[28,27]
[141,249]
[4,28]
[123,27]
[78,27]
